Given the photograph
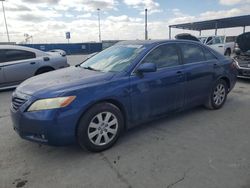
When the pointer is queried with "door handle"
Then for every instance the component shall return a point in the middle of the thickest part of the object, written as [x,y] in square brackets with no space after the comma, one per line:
[33,63]
[179,74]
[215,65]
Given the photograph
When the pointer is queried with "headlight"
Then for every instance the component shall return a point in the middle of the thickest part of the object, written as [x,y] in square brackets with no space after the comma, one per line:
[51,103]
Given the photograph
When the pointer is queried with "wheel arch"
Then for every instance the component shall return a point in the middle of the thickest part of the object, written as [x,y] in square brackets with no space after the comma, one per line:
[115,102]
[227,80]
[228,49]
[44,67]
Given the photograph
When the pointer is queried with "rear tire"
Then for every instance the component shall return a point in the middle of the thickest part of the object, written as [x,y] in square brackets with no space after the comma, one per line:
[228,52]
[100,127]
[217,96]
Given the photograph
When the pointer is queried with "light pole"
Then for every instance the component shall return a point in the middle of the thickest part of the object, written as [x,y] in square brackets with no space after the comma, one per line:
[5,21]
[146,24]
[99,23]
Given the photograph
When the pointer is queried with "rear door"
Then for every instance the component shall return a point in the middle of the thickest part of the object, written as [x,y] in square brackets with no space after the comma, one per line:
[199,73]
[19,65]
[159,92]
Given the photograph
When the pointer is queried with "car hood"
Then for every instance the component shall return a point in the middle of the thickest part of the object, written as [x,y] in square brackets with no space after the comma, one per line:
[57,82]
[243,41]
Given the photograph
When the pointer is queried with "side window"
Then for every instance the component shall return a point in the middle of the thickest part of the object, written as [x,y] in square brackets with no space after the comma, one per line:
[209,55]
[2,58]
[217,40]
[163,56]
[192,53]
[15,55]
[209,40]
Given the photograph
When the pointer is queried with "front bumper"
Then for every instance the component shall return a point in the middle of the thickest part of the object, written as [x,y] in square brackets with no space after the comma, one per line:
[51,127]
[243,72]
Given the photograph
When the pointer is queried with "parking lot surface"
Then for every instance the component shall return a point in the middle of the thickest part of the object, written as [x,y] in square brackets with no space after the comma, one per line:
[197,148]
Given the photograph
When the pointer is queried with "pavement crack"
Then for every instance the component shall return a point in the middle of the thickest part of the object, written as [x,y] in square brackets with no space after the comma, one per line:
[179,180]
[115,170]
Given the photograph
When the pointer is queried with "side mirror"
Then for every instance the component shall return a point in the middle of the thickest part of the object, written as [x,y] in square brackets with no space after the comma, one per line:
[146,67]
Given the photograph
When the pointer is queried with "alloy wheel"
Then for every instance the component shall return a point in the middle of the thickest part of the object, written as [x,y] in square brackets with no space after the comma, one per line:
[219,94]
[103,128]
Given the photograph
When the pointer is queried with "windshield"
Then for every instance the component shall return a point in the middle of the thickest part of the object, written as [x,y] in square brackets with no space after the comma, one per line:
[114,59]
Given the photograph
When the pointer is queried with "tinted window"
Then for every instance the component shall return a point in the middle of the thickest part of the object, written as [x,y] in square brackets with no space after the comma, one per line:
[14,55]
[192,53]
[2,59]
[209,55]
[163,56]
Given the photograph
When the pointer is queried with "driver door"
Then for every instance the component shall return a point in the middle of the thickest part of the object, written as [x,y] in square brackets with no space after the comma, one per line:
[156,93]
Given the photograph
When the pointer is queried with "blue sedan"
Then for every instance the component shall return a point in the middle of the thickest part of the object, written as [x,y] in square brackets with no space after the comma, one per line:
[125,85]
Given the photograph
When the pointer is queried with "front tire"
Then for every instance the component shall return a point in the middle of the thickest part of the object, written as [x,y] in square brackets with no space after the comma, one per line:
[100,127]
[44,70]
[218,95]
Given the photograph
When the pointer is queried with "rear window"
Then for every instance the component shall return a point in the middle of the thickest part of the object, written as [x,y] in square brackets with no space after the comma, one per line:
[15,55]
[192,53]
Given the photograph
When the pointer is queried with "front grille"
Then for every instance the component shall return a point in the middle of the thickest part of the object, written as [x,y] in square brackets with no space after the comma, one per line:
[243,61]
[17,102]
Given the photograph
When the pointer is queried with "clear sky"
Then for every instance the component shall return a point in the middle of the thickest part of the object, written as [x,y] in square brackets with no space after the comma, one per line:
[48,20]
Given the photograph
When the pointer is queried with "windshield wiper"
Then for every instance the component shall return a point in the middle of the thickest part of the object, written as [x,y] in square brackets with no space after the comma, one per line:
[91,68]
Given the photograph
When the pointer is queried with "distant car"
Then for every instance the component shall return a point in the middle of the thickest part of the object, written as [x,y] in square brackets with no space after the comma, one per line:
[221,44]
[187,36]
[242,56]
[118,88]
[18,63]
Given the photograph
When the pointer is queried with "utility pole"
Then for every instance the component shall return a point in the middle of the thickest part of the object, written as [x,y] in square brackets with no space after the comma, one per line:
[146,24]
[6,26]
[99,23]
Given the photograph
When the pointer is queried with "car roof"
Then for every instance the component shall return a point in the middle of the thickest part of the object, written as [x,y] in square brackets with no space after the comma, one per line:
[154,42]
[17,47]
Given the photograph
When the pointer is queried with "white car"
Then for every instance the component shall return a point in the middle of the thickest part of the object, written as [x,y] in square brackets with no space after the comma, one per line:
[221,44]
[17,63]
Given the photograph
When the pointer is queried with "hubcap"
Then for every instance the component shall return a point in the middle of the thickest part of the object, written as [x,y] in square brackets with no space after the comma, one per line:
[103,128]
[219,94]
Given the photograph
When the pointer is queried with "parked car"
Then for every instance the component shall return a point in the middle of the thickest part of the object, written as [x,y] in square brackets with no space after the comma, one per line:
[18,63]
[242,56]
[187,36]
[118,88]
[221,44]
